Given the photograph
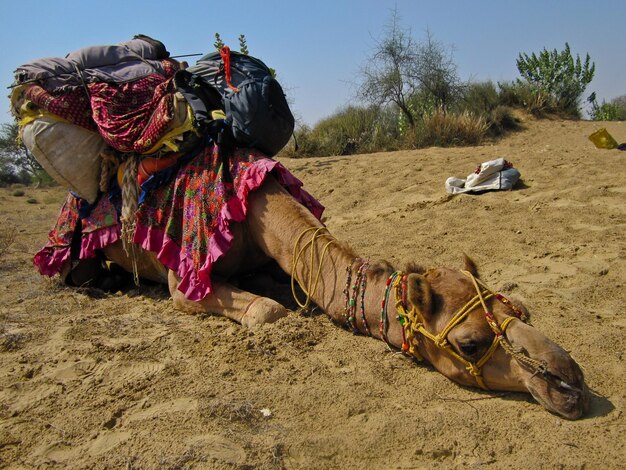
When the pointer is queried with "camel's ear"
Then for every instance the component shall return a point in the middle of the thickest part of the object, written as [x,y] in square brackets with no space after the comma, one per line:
[470,266]
[419,294]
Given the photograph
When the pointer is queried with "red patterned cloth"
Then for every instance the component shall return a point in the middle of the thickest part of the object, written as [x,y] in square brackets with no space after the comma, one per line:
[73,106]
[187,222]
[130,117]
[99,229]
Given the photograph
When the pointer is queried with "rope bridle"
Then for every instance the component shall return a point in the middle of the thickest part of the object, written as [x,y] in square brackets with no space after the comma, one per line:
[413,326]
[310,286]
[410,318]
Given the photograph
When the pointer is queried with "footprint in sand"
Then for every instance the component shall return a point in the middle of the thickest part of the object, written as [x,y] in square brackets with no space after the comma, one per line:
[75,371]
[180,405]
[61,453]
[55,453]
[106,441]
[20,396]
[128,372]
[219,448]
[108,372]
[148,334]
[554,271]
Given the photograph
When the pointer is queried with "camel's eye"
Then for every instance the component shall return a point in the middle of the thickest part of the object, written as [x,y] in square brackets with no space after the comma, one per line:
[468,348]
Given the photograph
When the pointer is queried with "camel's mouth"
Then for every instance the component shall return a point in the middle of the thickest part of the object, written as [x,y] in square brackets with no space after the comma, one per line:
[567,398]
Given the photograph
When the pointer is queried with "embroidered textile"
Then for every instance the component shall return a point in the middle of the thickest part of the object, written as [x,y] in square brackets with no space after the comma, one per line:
[185,222]
[130,117]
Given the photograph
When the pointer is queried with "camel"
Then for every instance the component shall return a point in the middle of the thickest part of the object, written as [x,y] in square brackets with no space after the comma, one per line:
[445,317]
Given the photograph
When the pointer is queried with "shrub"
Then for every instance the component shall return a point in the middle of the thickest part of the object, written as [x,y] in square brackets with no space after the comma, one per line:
[501,120]
[615,110]
[8,235]
[559,76]
[303,144]
[483,99]
[524,95]
[450,129]
[480,98]
[482,111]
[351,130]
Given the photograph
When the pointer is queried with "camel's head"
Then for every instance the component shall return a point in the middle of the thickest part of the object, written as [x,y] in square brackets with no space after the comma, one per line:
[457,328]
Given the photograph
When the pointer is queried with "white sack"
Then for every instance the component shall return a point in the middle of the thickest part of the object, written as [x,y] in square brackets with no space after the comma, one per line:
[69,153]
[496,174]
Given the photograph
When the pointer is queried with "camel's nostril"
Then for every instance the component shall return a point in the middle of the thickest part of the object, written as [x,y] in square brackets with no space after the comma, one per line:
[468,348]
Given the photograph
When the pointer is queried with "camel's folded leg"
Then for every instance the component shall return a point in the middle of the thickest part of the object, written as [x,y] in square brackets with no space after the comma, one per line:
[238,305]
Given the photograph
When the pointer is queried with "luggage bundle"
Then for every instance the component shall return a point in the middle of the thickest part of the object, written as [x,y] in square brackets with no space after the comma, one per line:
[83,115]
[498,174]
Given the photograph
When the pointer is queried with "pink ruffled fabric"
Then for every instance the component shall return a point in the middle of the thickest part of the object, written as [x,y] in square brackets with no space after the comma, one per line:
[49,262]
[195,283]
[100,229]
[177,249]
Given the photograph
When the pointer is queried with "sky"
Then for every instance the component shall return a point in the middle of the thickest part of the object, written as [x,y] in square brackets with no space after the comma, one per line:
[318,47]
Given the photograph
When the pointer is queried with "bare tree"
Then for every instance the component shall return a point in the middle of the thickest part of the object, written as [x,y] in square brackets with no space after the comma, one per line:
[387,77]
[401,68]
[436,72]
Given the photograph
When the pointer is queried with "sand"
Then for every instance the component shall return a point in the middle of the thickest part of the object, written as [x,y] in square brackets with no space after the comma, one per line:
[89,380]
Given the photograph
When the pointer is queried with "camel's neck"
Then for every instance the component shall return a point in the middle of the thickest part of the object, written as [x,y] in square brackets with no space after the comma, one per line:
[351,290]
[353,294]
[287,232]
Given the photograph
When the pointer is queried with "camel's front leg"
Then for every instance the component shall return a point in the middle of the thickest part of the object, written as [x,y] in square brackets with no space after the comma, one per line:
[238,305]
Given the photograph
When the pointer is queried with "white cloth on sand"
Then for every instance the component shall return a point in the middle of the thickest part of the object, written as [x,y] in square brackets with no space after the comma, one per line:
[493,175]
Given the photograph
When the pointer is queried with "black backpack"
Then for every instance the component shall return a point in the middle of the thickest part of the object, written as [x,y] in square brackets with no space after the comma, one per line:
[257,113]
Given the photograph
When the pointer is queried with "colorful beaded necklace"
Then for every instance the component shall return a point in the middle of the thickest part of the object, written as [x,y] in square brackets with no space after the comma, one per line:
[352,293]
[396,281]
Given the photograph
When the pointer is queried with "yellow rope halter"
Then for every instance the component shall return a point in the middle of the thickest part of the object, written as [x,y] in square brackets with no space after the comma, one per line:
[413,326]
[298,251]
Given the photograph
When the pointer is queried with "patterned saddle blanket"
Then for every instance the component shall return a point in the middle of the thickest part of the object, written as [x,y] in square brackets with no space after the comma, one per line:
[186,220]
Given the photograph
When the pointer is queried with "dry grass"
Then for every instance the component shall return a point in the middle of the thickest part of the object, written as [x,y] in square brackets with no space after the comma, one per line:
[185,460]
[11,341]
[7,238]
[242,411]
[450,129]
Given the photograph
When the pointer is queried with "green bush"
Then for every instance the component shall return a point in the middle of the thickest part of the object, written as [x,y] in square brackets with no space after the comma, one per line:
[302,145]
[484,110]
[484,99]
[559,76]
[480,98]
[501,120]
[528,97]
[615,110]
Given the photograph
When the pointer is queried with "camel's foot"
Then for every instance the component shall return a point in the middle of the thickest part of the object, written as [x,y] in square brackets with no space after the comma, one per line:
[93,272]
[263,310]
[226,300]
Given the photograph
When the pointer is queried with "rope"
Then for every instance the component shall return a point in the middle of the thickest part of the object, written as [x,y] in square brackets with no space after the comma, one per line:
[539,366]
[79,72]
[225,54]
[413,327]
[130,204]
[313,279]
[408,320]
